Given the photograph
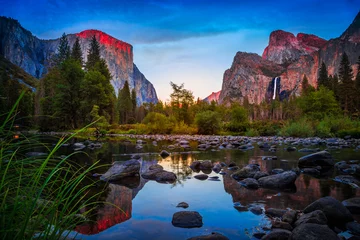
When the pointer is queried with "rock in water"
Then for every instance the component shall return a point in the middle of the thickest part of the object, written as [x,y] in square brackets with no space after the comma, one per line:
[278,181]
[277,234]
[212,236]
[250,183]
[322,158]
[122,169]
[336,213]
[164,154]
[313,231]
[317,217]
[187,219]
[183,205]
[352,204]
[246,172]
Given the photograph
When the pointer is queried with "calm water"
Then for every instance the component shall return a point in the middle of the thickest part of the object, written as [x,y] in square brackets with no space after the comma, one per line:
[148,206]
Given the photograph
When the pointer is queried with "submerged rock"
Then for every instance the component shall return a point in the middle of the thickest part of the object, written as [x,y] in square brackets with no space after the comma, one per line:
[212,236]
[187,219]
[122,169]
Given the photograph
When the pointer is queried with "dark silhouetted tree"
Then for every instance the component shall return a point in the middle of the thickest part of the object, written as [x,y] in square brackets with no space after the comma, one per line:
[76,52]
[93,54]
[346,88]
[323,77]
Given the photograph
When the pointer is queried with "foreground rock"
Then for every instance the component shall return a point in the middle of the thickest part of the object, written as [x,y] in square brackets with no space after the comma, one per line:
[277,234]
[317,217]
[352,204]
[322,158]
[312,231]
[246,172]
[121,170]
[212,236]
[279,181]
[336,213]
[187,219]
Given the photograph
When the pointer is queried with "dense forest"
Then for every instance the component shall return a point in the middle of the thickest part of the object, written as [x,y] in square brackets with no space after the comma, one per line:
[75,93]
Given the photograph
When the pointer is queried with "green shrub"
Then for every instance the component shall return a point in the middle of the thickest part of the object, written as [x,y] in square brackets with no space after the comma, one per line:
[354,133]
[207,122]
[183,128]
[158,123]
[252,133]
[301,128]
[323,130]
[267,128]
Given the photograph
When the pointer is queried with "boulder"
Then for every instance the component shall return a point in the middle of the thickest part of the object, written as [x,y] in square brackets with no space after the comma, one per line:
[317,217]
[206,164]
[282,225]
[121,169]
[278,181]
[322,158]
[311,231]
[277,171]
[212,236]
[156,173]
[187,219]
[164,154]
[259,175]
[217,168]
[336,213]
[352,204]
[347,179]
[201,176]
[246,172]
[250,183]
[277,234]
[290,216]
[275,212]
[183,205]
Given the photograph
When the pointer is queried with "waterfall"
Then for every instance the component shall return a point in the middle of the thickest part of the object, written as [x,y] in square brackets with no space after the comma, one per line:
[275,87]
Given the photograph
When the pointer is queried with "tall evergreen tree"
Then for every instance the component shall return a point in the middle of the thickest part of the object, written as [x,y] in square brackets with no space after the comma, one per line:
[133,101]
[76,52]
[346,88]
[306,87]
[93,56]
[323,77]
[125,104]
[63,49]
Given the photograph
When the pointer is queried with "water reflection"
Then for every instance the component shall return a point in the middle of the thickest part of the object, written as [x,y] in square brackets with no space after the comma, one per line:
[155,203]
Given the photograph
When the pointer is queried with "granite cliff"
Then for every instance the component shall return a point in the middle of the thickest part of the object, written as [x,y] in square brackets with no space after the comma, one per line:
[285,61]
[34,55]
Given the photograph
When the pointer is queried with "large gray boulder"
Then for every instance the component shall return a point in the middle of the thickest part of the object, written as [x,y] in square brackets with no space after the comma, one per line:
[336,213]
[187,219]
[121,170]
[246,172]
[322,158]
[157,173]
[278,181]
[311,231]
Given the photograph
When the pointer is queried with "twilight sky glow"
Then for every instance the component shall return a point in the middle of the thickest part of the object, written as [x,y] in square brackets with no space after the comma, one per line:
[189,41]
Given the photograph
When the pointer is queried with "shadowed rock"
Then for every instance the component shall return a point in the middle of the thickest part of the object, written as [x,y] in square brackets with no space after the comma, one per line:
[122,169]
[322,158]
[313,231]
[278,181]
[187,219]
[212,236]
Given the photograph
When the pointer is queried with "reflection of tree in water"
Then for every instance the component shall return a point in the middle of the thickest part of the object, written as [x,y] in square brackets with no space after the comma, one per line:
[178,164]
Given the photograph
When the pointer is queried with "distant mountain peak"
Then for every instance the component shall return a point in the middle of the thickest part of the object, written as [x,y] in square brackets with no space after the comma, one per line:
[352,33]
[106,39]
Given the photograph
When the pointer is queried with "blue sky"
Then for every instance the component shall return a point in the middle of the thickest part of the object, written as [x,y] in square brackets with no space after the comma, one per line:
[191,42]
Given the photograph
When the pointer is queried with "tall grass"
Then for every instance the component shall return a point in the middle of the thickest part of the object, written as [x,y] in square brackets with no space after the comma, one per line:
[40,195]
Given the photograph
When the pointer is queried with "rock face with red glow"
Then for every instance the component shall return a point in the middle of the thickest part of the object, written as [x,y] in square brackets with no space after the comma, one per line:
[214,96]
[285,48]
[289,58]
[33,55]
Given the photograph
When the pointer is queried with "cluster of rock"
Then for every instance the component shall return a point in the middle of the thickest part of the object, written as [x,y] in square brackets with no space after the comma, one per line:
[131,168]
[323,219]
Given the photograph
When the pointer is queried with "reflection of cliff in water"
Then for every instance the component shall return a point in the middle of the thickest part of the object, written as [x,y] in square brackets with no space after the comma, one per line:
[308,190]
[118,206]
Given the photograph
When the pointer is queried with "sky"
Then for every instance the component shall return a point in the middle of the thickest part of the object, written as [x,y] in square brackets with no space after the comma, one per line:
[190,41]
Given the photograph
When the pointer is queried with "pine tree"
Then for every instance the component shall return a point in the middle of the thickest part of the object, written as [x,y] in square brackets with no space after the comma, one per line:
[125,104]
[133,101]
[346,88]
[93,54]
[63,50]
[357,87]
[323,77]
[305,85]
[76,52]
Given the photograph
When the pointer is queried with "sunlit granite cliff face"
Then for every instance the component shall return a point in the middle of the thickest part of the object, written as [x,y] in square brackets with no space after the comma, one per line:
[33,55]
[285,61]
